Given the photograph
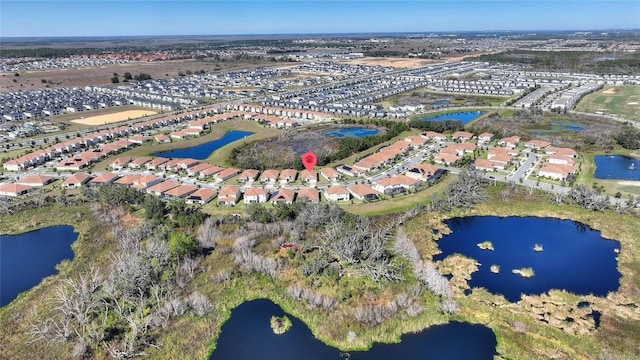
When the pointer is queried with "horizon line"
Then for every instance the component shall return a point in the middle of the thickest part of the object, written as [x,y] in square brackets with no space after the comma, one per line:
[325,33]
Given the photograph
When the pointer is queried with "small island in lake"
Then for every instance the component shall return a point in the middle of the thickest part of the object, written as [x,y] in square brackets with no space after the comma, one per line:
[524,272]
[495,268]
[486,245]
[537,248]
[280,325]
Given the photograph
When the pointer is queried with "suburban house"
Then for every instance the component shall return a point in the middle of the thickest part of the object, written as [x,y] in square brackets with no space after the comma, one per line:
[537,144]
[195,170]
[288,175]
[127,180]
[184,164]
[36,180]
[120,163]
[308,176]
[421,172]
[484,164]
[138,163]
[103,179]
[145,181]
[171,165]
[311,195]
[330,174]
[248,175]
[283,195]
[561,159]
[416,141]
[363,192]
[396,184]
[337,193]
[485,138]
[76,180]
[210,171]
[161,188]
[462,136]
[255,195]
[225,174]
[155,163]
[561,151]
[509,142]
[181,191]
[229,195]
[162,138]
[436,136]
[14,189]
[269,175]
[446,159]
[138,139]
[180,135]
[557,171]
[201,196]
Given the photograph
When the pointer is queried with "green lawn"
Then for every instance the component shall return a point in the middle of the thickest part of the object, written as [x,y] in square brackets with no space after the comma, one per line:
[623,100]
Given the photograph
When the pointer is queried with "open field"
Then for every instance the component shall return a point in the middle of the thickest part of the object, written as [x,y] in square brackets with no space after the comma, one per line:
[392,62]
[113,118]
[624,100]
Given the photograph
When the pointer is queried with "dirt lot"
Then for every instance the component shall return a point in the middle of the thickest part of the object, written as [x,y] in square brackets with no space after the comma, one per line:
[30,80]
[393,62]
[112,118]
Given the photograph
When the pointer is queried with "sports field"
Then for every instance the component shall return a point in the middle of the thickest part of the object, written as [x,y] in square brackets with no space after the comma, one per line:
[621,100]
[112,118]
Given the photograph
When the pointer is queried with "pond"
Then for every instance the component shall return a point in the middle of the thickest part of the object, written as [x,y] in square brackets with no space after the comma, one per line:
[566,126]
[352,132]
[440,103]
[201,152]
[571,255]
[27,258]
[465,117]
[248,335]
[617,167]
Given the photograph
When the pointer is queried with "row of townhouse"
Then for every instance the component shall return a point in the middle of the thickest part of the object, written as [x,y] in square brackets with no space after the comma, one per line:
[569,98]
[22,105]
[281,112]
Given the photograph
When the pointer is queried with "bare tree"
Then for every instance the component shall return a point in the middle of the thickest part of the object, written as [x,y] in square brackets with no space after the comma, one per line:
[200,304]
[208,233]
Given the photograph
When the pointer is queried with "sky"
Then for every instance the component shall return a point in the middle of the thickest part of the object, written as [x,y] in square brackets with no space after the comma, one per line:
[26,18]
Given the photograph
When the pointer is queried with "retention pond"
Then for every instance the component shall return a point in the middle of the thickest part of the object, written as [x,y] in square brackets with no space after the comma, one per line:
[27,258]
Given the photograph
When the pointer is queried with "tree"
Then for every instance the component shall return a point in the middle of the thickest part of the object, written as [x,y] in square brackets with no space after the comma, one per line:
[154,208]
[115,80]
[629,138]
[128,76]
[182,245]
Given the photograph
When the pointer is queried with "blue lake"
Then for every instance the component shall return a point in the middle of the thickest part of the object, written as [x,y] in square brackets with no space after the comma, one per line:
[465,117]
[26,259]
[203,151]
[574,257]
[440,103]
[618,167]
[352,132]
[248,335]
[568,126]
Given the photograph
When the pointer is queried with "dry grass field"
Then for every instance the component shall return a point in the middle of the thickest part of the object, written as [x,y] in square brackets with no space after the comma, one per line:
[113,118]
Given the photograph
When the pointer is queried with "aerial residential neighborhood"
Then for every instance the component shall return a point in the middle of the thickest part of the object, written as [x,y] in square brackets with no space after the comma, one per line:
[402,179]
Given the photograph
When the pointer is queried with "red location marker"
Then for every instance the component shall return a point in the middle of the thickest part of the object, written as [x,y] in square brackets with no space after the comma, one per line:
[309,160]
